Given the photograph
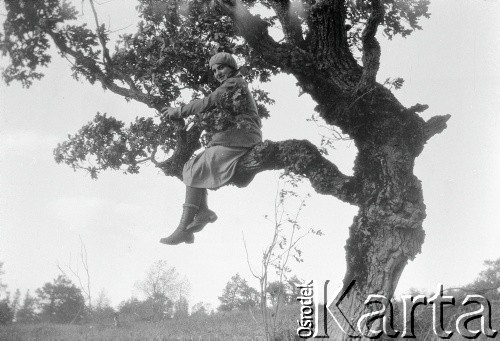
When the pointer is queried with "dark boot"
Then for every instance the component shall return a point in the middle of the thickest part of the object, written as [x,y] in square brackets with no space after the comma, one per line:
[181,234]
[204,215]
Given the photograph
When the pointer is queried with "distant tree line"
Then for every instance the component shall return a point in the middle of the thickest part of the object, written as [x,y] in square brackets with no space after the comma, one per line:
[165,292]
[61,301]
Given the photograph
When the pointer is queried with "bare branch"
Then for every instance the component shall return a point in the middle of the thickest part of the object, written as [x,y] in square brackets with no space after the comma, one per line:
[155,102]
[85,263]
[84,287]
[100,34]
[248,258]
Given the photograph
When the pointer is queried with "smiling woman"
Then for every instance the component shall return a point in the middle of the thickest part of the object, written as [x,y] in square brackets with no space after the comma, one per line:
[222,72]
[234,127]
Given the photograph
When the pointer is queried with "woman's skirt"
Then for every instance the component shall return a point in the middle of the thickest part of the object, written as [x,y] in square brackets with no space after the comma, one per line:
[213,167]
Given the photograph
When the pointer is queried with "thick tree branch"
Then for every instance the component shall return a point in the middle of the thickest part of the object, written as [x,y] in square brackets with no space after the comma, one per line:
[435,125]
[249,26]
[327,26]
[254,30]
[371,47]
[290,22]
[327,41]
[300,157]
[418,108]
[187,143]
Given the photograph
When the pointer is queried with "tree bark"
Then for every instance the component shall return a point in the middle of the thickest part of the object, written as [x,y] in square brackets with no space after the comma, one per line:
[385,234]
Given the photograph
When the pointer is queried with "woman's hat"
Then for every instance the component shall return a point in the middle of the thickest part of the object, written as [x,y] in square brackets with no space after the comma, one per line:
[223,58]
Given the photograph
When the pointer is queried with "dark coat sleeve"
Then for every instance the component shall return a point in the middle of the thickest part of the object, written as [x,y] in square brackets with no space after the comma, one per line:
[207,103]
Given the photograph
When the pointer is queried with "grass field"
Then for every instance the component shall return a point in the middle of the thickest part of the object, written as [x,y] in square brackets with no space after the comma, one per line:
[238,325]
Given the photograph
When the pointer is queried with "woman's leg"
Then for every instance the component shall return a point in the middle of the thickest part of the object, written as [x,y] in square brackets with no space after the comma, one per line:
[194,196]
[203,202]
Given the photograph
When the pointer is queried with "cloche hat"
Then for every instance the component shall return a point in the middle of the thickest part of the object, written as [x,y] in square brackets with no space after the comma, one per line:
[223,58]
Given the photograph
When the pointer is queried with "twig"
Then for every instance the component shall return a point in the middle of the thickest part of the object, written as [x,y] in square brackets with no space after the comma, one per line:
[120,29]
[248,258]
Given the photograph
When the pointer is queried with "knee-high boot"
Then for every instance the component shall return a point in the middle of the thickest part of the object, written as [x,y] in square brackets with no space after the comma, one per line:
[190,209]
[204,215]
[181,234]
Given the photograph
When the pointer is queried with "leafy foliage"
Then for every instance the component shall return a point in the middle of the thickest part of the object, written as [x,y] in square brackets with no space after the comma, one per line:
[25,39]
[165,60]
[401,18]
[111,144]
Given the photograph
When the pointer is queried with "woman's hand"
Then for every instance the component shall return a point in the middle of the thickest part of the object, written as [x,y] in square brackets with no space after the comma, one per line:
[172,113]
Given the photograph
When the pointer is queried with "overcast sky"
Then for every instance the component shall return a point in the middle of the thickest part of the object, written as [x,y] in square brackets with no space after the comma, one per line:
[452,65]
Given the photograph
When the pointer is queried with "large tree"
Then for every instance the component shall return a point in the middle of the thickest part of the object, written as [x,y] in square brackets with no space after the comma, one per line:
[161,286]
[60,301]
[329,46]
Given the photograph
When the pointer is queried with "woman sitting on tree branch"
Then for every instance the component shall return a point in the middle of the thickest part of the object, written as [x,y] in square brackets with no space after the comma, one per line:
[233,127]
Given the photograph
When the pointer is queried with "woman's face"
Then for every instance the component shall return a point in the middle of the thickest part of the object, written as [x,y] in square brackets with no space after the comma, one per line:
[221,72]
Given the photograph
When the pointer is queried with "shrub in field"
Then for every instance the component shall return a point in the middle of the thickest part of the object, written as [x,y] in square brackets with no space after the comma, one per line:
[26,313]
[151,310]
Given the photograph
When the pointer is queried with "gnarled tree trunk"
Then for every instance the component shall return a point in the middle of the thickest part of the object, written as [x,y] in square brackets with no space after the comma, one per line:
[387,231]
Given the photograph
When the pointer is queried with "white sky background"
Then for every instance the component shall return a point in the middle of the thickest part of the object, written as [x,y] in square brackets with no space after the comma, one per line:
[452,65]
